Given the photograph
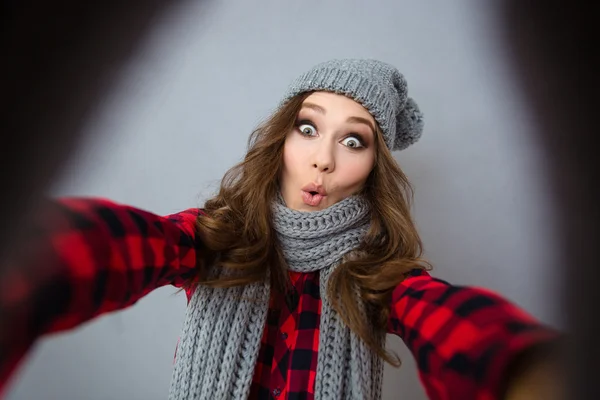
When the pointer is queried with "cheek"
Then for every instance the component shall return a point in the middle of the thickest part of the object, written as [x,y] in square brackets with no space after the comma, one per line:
[292,159]
[289,158]
[356,170]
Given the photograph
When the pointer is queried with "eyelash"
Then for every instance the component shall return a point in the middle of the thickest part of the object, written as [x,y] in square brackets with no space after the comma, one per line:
[357,136]
[304,122]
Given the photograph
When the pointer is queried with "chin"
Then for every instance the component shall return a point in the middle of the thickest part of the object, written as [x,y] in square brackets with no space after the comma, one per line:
[323,205]
[301,206]
[305,208]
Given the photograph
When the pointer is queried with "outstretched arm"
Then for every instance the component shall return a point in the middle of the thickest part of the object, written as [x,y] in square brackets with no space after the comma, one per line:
[84,258]
[465,340]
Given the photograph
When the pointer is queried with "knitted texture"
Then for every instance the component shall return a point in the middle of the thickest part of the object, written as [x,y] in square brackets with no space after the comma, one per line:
[223,327]
[378,86]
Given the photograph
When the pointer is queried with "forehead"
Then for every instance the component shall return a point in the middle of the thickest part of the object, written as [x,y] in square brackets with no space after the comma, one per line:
[339,104]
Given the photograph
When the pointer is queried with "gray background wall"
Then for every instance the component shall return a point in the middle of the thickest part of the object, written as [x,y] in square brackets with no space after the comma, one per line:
[209,72]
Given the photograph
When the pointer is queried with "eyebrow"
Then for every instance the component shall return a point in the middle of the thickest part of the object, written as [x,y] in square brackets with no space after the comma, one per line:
[361,120]
[356,120]
[314,107]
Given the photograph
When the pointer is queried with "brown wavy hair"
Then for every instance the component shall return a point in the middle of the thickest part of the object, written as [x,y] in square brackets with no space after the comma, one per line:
[237,234]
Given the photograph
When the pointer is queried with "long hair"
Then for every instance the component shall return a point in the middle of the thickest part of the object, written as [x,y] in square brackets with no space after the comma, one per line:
[237,233]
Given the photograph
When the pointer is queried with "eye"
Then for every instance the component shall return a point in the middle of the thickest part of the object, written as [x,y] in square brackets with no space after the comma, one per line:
[352,142]
[307,129]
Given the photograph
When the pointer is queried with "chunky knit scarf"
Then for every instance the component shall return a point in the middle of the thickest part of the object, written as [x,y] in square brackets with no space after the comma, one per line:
[223,327]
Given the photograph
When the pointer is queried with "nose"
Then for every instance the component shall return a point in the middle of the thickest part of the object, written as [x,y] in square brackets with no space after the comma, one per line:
[324,159]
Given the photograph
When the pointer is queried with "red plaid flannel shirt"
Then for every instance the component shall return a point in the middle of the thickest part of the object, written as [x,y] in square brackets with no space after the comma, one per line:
[88,257]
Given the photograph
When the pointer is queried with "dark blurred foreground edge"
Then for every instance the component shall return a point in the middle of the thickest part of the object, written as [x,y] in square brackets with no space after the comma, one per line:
[58,61]
[553,49]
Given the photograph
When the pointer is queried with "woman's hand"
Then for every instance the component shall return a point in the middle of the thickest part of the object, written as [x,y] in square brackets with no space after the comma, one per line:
[536,379]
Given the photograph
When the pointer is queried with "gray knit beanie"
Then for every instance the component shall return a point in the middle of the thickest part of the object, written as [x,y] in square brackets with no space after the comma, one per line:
[378,86]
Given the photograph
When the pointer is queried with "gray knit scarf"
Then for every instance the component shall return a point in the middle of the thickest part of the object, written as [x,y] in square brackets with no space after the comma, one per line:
[223,328]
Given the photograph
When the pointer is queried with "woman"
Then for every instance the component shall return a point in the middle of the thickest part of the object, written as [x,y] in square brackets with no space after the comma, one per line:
[295,270]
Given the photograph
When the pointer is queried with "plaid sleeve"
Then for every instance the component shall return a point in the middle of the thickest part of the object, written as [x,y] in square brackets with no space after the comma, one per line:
[463,338]
[84,258]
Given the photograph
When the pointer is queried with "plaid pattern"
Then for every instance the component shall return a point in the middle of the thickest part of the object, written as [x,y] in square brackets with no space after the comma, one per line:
[463,338]
[88,257]
[287,360]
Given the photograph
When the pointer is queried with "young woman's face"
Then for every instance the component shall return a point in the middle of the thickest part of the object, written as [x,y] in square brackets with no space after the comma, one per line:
[329,154]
